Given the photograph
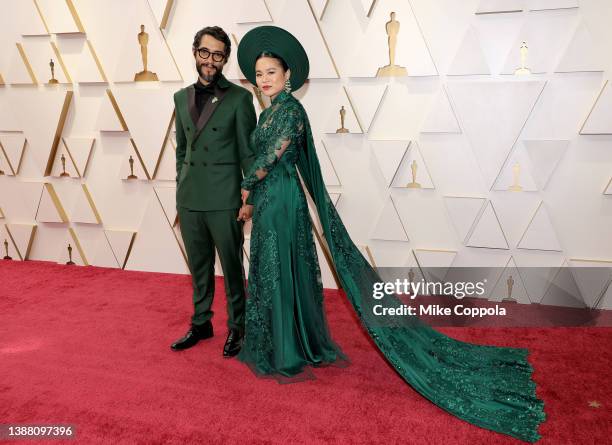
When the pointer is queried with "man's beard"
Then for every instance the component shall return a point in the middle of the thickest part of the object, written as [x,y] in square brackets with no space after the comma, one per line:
[209,77]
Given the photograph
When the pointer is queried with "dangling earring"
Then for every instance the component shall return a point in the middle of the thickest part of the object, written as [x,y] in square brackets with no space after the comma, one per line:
[287,86]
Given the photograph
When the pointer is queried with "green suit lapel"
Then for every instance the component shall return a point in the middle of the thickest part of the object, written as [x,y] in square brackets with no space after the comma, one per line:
[221,89]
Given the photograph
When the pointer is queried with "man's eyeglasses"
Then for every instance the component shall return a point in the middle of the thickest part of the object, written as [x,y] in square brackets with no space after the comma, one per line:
[204,53]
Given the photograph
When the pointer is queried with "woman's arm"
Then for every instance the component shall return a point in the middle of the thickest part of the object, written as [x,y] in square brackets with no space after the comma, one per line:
[291,127]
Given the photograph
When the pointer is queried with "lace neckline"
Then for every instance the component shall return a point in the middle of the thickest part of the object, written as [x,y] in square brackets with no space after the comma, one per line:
[281,97]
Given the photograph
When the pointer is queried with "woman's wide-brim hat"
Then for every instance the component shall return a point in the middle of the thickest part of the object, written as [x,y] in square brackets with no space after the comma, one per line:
[278,41]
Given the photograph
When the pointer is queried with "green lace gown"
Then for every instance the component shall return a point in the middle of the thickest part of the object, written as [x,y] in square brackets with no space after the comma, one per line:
[286,331]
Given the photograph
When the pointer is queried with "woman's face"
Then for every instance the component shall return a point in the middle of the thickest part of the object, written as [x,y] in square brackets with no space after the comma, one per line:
[270,76]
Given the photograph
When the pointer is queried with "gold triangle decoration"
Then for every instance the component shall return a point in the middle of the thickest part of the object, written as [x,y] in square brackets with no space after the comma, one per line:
[121,243]
[1,80]
[41,51]
[94,55]
[26,62]
[164,145]
[22,237]
[335,180]
[110,118]
[593,277]
[74,244]
[85,210]
[464,212]
[117,110]
[488,232]
[13,150]
[368,7]
[50,208]
[75,16]
[62,11]
[608,188]
[562,289]
[42,18]
[389,225]
[170,213]
[539,234]
[79,150]
[58,132]
[366,252]
[321,7]
[163,24]
[166,170]
[167,10]
[599,107]
[441,259]
[366,100]
[331,57]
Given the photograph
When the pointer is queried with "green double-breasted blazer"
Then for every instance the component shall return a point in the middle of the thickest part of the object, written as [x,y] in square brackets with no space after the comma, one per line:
[213,149]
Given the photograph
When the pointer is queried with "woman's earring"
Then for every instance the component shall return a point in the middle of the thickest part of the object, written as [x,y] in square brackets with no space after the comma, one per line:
[287,86]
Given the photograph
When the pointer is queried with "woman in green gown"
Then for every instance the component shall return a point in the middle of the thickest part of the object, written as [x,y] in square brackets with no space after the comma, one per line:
[286,331]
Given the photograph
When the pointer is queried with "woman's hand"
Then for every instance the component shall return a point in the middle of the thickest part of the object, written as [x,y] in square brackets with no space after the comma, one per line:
[245,195]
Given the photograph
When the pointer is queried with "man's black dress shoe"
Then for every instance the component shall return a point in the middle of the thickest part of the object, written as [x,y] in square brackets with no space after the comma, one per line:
[193,336]
[233,343]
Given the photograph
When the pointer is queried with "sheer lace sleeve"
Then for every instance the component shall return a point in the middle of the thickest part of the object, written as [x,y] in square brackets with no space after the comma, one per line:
[286,124]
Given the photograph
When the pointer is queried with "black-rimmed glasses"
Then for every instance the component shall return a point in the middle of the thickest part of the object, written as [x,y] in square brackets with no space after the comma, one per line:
[204,53]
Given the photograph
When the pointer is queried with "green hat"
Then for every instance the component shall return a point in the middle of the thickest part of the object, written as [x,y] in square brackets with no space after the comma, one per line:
[278,41]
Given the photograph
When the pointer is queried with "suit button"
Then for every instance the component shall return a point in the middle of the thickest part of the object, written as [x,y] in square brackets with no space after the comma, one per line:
[192,148]
[206,148]
[191,163]
[188,128]
[204,164]
[215,129]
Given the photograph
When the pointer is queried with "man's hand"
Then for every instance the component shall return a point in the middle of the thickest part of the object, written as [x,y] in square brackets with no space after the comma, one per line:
[245,213]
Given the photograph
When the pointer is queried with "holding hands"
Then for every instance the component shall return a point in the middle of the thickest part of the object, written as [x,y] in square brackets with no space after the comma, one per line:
[246,211]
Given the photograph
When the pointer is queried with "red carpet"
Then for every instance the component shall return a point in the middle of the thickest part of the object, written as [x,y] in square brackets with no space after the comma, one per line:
[90,347]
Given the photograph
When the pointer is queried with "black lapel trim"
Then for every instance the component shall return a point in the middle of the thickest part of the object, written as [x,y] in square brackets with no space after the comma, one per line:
[209,108]
[193,110]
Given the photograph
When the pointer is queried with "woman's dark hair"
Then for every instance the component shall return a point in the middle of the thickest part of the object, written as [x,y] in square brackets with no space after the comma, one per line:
[217,33]
[273,56]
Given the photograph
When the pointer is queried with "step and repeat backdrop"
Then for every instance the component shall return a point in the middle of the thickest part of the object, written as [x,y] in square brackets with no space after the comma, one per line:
[450,133]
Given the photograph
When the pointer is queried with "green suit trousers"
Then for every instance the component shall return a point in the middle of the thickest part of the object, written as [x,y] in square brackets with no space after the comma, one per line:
[203,231]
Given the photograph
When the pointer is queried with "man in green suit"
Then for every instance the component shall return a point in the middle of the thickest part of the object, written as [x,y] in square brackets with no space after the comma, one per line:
[214,121]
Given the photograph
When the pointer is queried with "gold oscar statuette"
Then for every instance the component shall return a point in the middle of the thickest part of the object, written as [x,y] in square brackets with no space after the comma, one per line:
[259,97]
[144,75]
[523,70]
[70,262]
[392,70]
[64,174]
[510,284]
[53,80]
[132,175]
[516,171]
[413,184]
[342,117]
[6,257]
